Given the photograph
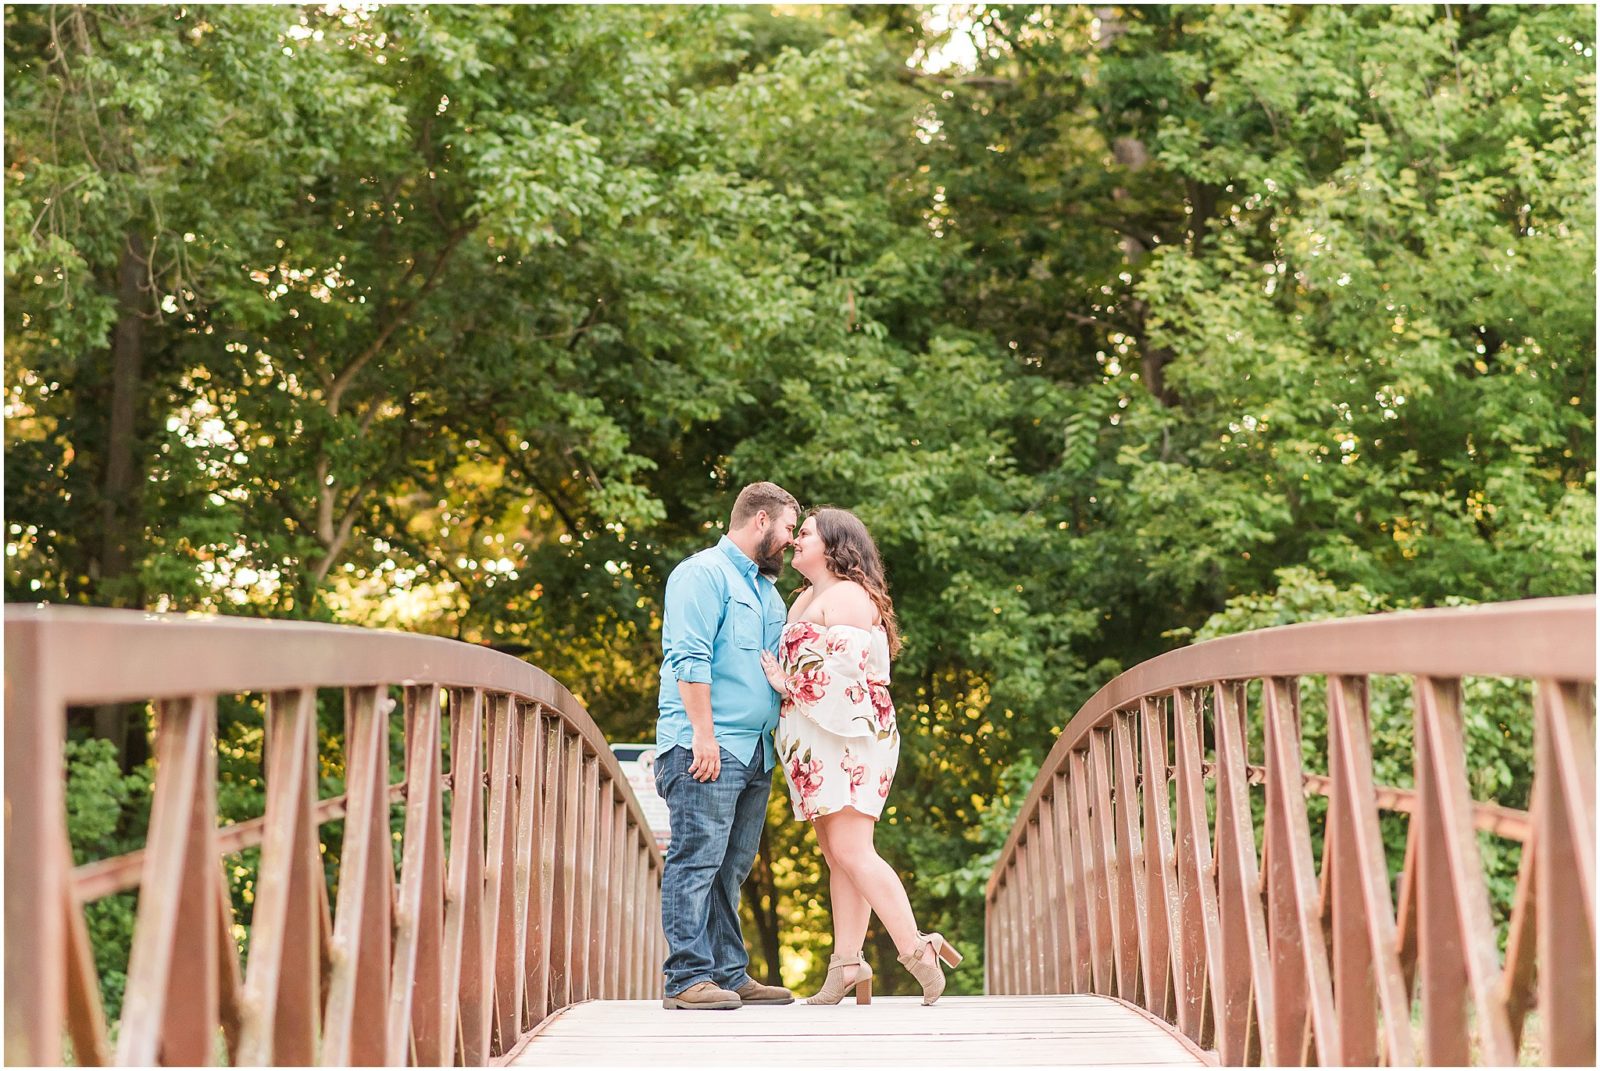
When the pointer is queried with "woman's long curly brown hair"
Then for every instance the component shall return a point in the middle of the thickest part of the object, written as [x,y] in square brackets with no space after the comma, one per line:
[851,554]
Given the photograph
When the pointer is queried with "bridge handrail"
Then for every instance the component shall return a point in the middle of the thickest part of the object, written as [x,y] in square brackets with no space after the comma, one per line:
[552,899]
[1093,893]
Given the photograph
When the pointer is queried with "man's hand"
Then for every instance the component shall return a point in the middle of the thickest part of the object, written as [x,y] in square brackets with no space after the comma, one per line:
[707,763]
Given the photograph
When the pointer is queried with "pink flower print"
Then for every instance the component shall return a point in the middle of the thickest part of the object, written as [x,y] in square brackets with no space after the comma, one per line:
[808,686]
[882,704]
[864,655]
[883,784]
[855,693]
[856,770]
[806,776]
[836,644]
[795,637]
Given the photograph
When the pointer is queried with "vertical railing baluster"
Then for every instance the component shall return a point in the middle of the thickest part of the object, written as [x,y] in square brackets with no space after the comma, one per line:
[529,884]
[1077,900]
[1458,955]
[35,823]
[1016,963]
[1161,899]
[1039,917]
[600,887]
[649,919]
[1564,817]
[658,936]
[1027,914]
[1301,978]
[544,955]
[170,1010]
[583,926]
[189,1030]
[1093,868]
[353,1027]
[1245,1010]
[414,1002]
[1052,927]
[1002,934]
[1103,836]
[616,924]
[1135,940]
[466,1005]
[563,990]
[1366,966]
[630,951]
[990,945]
[500,929]
[1200,935]
[1004,958]
[282,979]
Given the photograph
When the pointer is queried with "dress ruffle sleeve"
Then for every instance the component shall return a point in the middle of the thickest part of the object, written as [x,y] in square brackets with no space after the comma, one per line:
[828,682]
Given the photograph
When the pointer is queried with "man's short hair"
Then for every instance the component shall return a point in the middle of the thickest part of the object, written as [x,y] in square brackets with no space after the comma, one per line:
[761,496]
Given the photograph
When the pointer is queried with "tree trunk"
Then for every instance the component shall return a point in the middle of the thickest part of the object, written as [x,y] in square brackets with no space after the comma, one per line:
[120,520]
[119,514]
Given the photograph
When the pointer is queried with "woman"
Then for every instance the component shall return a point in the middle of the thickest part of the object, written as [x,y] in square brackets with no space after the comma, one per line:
[839,744]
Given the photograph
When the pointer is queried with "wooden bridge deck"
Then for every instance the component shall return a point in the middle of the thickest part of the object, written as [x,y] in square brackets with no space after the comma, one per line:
[1056,1031]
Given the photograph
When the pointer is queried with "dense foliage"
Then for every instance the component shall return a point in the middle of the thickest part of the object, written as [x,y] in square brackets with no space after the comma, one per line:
[1142,324]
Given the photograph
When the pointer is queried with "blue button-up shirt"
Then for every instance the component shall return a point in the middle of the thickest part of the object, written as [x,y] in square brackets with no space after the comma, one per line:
[721,613]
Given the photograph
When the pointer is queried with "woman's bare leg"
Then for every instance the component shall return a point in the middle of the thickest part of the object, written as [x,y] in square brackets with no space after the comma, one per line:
[850,909]
[849,848]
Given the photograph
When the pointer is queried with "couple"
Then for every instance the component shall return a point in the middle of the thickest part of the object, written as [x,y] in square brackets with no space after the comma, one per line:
[737,666]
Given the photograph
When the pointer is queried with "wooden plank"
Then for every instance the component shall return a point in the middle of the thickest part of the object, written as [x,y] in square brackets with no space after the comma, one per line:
[1054,1030]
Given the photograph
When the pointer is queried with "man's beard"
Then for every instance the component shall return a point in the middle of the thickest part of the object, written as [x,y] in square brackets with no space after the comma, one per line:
[769,556]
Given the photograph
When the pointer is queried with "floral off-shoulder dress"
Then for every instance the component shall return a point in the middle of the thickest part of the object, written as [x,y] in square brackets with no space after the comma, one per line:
[837,737]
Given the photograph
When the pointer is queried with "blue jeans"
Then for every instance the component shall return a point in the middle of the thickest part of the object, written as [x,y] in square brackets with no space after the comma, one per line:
[716,828]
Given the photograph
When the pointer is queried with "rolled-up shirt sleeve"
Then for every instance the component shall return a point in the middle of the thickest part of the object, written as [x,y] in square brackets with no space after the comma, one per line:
[689,627]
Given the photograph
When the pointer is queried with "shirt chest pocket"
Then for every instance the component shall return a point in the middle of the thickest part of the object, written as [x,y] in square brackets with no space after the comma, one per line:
[745,622]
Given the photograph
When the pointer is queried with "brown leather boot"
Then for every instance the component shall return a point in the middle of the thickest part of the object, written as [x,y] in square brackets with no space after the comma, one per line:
[703,996]
[753,992]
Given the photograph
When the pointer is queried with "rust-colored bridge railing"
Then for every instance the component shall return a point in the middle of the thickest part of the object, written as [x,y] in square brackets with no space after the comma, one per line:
[1116,881]
[545,893]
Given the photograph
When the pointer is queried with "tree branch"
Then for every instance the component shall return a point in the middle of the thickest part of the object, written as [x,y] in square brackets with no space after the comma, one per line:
[335,546]
[515,458]
[343,380]
[911,76]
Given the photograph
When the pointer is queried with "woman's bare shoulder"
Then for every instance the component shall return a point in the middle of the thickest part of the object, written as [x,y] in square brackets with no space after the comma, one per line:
[847,603]
[801,601]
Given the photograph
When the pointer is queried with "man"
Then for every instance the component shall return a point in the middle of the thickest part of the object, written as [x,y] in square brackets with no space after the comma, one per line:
[714,750]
